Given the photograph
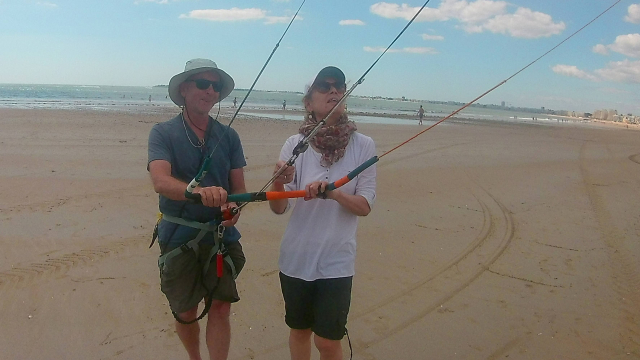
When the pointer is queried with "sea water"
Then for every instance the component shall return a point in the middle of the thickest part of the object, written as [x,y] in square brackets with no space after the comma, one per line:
[155,98]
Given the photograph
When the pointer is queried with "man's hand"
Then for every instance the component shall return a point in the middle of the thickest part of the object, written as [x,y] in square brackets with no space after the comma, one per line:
[212,196]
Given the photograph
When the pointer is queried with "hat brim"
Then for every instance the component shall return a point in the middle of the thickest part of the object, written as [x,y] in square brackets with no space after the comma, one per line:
[174,83]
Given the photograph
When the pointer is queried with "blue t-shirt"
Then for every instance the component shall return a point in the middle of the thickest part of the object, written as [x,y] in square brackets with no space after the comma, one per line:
[170,141]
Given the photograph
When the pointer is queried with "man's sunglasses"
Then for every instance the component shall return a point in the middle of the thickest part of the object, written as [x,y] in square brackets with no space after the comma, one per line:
[325,86]
[203,84]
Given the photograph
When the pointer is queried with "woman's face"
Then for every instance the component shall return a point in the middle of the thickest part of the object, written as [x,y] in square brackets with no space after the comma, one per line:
[325,94]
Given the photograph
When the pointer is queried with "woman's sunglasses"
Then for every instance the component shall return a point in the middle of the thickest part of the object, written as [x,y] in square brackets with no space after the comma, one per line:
[325,86]
[203,84]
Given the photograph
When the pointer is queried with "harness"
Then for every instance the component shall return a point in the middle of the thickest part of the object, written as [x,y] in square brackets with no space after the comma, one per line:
[219,250]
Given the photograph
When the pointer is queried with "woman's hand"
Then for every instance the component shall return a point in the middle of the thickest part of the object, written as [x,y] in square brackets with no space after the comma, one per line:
[287,174]
[317,187]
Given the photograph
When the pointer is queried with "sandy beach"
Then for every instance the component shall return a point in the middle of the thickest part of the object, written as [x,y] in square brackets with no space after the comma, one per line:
[488,240]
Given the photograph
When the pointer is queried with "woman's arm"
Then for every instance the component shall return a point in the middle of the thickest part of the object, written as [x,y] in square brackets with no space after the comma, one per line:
[280,205]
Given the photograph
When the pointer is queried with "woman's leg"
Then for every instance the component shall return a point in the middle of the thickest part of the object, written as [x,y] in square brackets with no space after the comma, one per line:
[300,344]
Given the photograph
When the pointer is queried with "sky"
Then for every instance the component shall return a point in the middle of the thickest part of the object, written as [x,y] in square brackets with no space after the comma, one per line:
[454,51]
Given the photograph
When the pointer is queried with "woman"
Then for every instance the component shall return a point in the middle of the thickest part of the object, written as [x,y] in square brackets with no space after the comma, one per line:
[317,254]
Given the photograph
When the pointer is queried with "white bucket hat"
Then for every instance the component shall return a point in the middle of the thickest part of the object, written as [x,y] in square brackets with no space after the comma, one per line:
[195,66]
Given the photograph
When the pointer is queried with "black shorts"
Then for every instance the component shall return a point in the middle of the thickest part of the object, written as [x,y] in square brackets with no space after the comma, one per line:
[321,305]
[183,282]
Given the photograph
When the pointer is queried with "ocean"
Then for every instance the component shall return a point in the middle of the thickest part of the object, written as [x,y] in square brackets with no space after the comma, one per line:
[140,99]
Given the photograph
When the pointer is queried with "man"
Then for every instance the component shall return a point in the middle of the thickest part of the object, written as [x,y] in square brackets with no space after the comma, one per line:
[420,114]
[177,149]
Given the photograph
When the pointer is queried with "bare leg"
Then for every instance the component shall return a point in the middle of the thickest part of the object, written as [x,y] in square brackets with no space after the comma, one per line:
[190,334]
[300,344]
[219,330]
[329,349]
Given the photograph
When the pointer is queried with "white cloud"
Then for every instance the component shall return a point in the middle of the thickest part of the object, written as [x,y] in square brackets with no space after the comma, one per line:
[410,50]
[573,71]
[236,14]
[233,14]
[47,4]
[432,37]
[625,71]
[280,19]
[404,11]
[478,16]
[351,22]
[628,45]
[634,14]
[525,23]
[600,49]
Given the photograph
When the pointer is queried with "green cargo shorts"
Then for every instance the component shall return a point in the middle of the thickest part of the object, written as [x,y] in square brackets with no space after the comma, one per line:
[181,279]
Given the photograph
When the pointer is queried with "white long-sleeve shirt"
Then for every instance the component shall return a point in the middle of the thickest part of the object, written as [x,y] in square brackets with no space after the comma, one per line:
[320,239]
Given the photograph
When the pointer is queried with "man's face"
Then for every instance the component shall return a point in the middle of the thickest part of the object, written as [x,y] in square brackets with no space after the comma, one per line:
[200,100]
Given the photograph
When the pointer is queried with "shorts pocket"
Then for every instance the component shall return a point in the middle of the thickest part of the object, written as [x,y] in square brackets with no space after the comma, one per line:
[180,277]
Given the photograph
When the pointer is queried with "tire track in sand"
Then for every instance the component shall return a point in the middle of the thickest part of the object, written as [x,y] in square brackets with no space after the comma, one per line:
[25,274]
[417,301]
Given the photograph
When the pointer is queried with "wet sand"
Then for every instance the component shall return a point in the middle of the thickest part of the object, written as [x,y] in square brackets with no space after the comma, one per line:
[488,240]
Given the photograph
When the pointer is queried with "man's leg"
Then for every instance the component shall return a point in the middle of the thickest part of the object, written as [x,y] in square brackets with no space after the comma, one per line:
[329,349]
[300,344]
[219,330]
[190,334]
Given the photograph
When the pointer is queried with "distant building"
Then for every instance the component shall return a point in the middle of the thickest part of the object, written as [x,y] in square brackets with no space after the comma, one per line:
[502,104]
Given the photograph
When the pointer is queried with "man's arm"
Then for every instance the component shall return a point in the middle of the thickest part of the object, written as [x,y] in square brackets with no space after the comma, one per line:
[236,181]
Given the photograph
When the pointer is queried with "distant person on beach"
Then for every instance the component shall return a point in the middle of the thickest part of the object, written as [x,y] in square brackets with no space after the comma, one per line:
[420,114]
[284,105]
[149,98]
[235,101]
[191,235]
[318,249]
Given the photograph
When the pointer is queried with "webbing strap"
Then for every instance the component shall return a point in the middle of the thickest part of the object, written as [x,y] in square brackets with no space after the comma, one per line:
[204,228]
[193,244]
[189,223]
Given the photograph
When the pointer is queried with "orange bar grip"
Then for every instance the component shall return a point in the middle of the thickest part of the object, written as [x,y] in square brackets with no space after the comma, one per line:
[275,195]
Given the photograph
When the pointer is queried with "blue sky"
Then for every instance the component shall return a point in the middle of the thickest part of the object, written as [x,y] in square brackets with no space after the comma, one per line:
[455,51]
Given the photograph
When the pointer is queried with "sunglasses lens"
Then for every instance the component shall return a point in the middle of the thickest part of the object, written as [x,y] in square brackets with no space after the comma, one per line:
[324,87]
[203,84]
